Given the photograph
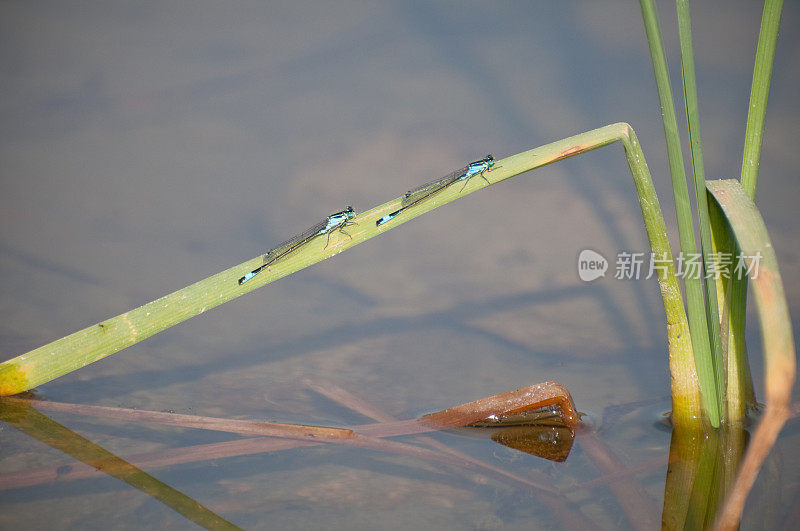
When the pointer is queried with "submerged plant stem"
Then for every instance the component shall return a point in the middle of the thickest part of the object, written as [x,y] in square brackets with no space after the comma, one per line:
[21,415]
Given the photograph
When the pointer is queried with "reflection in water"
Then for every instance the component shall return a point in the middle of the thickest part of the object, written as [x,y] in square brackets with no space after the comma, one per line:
[39,426]
[701,465]
[548,442]
[702,469]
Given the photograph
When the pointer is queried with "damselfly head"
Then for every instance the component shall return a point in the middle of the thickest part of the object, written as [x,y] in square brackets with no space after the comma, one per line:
[489,160]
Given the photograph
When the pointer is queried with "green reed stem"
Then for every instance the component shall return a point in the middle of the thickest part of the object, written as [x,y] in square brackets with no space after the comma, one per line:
[738,364]
[759,91]
[751,235]
[96,342]
[698,171]
[698,324]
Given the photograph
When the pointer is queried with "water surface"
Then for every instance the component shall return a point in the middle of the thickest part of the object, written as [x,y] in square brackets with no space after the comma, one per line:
[144,148]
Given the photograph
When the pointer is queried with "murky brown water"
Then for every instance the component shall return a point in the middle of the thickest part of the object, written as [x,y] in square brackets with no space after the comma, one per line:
[145,148]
